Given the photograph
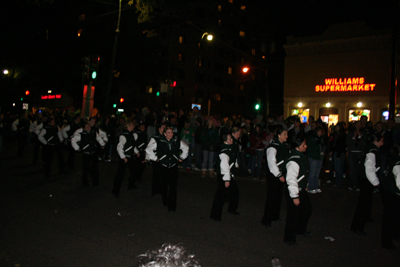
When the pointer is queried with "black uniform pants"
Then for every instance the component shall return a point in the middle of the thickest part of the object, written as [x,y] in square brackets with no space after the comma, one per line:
[71,156]
[36,147]
[391,219]
[119,177]
[22,139]
[231,193]
[140,166]
[156,182]
[49,151]
[169,184]
[90,164]
[272,207]
[297,216]
[363,210]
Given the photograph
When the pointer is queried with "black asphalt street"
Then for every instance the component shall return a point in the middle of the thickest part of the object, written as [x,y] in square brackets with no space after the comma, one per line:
[59,223]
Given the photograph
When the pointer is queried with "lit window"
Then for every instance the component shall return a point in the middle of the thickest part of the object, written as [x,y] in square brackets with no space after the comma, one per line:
[149,89]
[181,56]
[264,57]
[80,32]
[218,97]
[243,8]
[181,39]
[229,70]
[219,22]
[242,34]
[219,8]
[231,1]
[241,87]
[253,52]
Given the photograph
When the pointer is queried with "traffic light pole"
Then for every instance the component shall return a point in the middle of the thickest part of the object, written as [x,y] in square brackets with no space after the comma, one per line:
[114,54]
[88,99]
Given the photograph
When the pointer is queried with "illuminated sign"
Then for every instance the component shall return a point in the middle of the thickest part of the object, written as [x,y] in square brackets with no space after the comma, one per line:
[345,85]
[51,96]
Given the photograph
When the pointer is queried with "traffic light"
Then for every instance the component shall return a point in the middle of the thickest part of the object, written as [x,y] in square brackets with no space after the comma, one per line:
[245,69]
[115,105]
[94,66]
[85,68]
[27,92]
[158,93]
[121,100]
[257,106]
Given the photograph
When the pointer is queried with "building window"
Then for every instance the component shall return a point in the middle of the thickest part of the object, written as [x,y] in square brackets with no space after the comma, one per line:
[230,70]
[253,52]
[355,114]
[219,22]
[181,57]
[181,39]
[242,7]
[219,8]
[241,87]
[242,34]
[149,89]
[302,113]
[80,32]
[231,1]
[217,97]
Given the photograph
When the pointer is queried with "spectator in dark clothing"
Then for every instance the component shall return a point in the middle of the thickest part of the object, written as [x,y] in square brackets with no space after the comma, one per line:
[356,143]
[339,152]
[198,152]
[295,132]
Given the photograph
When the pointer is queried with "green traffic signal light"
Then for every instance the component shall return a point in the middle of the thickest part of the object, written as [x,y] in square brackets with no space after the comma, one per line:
[115,105]
[257,107]
[94,75]
[158,94]
[22,98]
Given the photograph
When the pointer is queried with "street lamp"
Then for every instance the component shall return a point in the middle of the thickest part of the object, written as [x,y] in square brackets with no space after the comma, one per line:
[5,72]
[209,37]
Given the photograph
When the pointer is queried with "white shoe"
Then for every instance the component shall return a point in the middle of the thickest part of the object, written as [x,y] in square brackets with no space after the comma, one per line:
[312,191]
[318,190]
[350,188]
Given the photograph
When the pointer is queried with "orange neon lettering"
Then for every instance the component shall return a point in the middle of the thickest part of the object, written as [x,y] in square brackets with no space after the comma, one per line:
[361,80]
[337,88]
[340,81]
[354,87]
[336,81]
[349,88]
[355,81]
[361,87]
[317,88]
[372,85]
[328,81]
[367,87]
[343,88]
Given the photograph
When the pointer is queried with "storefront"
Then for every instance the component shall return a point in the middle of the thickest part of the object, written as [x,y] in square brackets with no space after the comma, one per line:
[340,75]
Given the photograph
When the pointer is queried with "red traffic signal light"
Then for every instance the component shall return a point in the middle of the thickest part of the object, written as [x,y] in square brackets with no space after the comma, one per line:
[245,69]
[173,84]
[27,92]
[121,100]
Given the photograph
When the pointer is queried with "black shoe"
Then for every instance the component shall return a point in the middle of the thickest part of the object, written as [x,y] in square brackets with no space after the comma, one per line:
[292,243]
[306,234]
[234,212]
[266,224]
[389,247]
[358,232]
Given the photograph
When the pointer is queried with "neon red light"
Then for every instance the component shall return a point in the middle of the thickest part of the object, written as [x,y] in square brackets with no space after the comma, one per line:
[51,96]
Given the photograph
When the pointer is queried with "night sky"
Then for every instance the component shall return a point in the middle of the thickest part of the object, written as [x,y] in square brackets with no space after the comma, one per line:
[39,41]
